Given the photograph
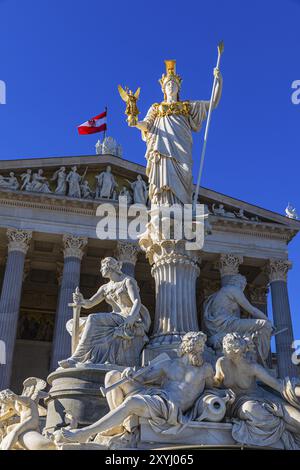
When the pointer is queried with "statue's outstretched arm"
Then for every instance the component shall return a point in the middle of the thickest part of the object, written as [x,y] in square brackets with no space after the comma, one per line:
[219,87]
[94,300]
[219,375]
[155,373]
[142,125]
[7,414]
[134,295]
[245,304]
[263,375]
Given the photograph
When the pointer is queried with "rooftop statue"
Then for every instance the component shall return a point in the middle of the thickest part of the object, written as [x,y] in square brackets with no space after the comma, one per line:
[291,212]
[9,182]
[60,177]
[167,130]
[106,184]
[109,146]
[74,180]
[140,191]
[86,192]
[39,182]
[125,192]
[26,180]
[220,210]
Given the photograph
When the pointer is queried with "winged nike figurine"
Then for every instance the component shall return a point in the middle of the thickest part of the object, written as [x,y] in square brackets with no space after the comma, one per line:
[130,99]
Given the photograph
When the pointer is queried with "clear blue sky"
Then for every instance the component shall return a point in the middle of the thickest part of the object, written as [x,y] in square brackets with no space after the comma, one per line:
[63,59]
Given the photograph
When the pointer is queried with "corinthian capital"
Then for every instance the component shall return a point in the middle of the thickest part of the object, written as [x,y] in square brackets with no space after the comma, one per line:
[127,252]
[278,269]
[258,294]
[228,264]
[74,246]
[18,240]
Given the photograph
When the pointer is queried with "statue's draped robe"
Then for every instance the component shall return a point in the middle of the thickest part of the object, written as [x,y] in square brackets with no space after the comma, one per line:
[74,180]
[260,417]
[107,184]
[219,320]
[139,192]
[105,337]
[169,152]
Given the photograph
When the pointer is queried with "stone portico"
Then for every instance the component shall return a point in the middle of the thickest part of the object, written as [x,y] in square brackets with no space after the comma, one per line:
[48,246]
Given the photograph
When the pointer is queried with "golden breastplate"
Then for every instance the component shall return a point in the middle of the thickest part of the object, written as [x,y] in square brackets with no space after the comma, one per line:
[167,109]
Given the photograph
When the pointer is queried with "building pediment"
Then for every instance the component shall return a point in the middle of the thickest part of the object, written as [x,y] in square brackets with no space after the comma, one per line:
[225,212]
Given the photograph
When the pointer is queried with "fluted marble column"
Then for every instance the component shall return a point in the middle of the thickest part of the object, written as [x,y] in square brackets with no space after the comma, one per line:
[127,253]
[228,265]
[175,271]
[18,244]
[258,298]
[73,252]
[278,270]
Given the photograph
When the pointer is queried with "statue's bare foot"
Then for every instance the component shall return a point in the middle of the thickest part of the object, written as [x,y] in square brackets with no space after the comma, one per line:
[67,363]
[69,435]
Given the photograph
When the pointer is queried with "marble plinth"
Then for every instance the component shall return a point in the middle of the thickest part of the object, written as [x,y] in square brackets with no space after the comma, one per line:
[198,434]
[77,391]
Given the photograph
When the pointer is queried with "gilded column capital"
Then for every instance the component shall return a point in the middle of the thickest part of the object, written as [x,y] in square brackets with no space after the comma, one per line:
[277,269]
[18,240]
[127,252]
[228,264]
[74,246]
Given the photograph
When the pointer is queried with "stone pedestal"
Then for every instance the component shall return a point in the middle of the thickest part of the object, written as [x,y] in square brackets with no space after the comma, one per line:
[175,271]
[76,390]
[194,434]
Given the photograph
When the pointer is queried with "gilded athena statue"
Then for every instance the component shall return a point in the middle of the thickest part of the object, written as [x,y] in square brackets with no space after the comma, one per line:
[167,130]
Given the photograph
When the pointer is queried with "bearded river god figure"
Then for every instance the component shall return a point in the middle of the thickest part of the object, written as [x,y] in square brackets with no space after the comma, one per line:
[116,337]
[170,393]
[167,130]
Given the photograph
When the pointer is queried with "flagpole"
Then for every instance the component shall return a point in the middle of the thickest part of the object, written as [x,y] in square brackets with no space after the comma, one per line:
[106,123]
[220,51]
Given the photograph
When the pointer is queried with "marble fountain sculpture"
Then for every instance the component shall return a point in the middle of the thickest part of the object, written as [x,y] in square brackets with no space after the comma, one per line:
[123,387]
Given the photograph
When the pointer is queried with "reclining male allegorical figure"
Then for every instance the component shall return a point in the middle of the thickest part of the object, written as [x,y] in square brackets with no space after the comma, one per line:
[166,393]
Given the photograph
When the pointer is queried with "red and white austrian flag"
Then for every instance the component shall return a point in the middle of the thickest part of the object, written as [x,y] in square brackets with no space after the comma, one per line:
[93,125]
